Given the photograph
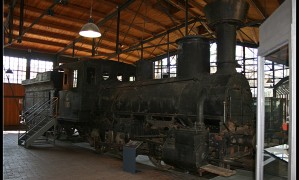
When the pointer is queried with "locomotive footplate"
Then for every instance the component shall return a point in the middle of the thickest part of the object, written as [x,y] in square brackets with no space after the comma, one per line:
[187,149]
[216,170]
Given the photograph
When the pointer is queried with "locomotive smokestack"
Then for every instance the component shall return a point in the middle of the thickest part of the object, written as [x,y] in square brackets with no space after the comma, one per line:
[225,16]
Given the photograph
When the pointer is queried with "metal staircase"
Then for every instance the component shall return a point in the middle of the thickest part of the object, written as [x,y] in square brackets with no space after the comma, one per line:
[38,120]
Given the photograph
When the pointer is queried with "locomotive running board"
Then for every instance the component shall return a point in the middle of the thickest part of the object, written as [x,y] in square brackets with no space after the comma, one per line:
[216,170]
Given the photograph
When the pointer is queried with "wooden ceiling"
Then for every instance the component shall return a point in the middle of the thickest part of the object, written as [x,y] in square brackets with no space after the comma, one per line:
[52,26]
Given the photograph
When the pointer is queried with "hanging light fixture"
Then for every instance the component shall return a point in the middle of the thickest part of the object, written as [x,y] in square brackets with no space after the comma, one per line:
[8,71]
[90,30]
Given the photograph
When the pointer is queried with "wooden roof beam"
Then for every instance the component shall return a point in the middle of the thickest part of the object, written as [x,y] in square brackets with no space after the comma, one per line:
[142,16]
[62,35]
[34,22]
[155,37]
[182,8]
[162,9]
[258,7]
[139,14]
[54,43]
[247,36]
[73,20]
[239,35]
[10,7]
[198,7]
[255,39]
[100,23]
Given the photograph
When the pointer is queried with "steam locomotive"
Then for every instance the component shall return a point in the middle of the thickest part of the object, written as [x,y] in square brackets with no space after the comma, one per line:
[186,122]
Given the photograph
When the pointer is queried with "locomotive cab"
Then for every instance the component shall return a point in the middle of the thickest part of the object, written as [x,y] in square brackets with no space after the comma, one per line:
[42,88]
[81,81]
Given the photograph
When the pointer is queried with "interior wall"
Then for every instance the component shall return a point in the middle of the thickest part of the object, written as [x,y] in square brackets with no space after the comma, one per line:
[13,95]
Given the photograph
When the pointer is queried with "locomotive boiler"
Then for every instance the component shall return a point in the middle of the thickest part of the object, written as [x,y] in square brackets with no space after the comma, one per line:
[187,121]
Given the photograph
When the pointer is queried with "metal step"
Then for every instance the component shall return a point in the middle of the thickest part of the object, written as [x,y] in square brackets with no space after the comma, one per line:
[38,119]
[39,132]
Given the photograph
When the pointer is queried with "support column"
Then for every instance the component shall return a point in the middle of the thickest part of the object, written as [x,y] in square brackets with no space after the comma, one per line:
[28,67]
[260,125]
[292,83]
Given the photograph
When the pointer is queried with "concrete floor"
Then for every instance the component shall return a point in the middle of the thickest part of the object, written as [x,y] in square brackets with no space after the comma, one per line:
[66,160]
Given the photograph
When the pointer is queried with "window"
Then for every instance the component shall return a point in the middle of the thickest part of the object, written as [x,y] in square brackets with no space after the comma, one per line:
[120,77]
[213,58]
[18,66]
[132,78]
[105,75]
[37,66]
[164,69]
[274,72]
[75,78]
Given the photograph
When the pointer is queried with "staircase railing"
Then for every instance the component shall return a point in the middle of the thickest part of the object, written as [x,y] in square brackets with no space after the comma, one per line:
[38,115]
[32,110]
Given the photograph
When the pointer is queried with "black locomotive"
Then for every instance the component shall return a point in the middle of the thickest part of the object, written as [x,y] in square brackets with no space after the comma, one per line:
[186,122]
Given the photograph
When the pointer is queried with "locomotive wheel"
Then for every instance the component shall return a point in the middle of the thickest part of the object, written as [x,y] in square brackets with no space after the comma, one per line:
[69,131]
[155,161]
[159,163]
[100,149]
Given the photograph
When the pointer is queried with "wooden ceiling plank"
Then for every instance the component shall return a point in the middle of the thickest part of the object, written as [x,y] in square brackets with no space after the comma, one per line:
[254,35]
[21,21]
[58,36]
[80,21]
[155,37]
[258,7]
[104,20]
[46,25]
[181,7]
[101,56]
[197,6]
[152,46]
[246,35]
[148,19]
[40,41]
[144,17]
[34,22]
[10,22]
[55,17]
[131,23]
[239,35]
[164,10]
[68,31]
[11,7]
[156,46]
[52,43]
[191,29]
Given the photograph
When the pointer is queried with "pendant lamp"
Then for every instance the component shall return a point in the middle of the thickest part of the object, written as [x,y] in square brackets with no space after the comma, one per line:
[90,29]
[9,71]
